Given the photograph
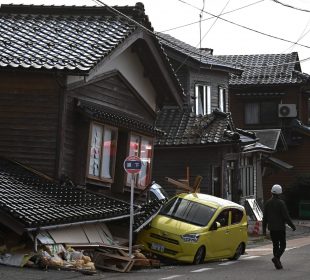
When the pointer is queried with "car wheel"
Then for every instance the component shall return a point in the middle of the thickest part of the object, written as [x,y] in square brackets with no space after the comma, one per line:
[200,255]
[239,252]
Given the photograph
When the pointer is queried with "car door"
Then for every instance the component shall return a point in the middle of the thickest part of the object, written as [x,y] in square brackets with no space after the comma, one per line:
[238,229]
[219,238]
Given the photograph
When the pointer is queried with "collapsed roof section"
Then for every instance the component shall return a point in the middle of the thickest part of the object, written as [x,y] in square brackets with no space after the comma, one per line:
[35,202]
[30,201]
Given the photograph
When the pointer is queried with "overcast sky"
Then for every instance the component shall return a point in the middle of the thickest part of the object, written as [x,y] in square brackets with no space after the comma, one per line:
[224,36]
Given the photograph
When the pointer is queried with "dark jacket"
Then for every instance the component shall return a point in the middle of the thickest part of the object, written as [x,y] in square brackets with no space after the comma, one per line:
[276,215]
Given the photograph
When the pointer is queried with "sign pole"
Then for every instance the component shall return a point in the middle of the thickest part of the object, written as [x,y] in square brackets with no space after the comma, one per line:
[131,212]
[132,165]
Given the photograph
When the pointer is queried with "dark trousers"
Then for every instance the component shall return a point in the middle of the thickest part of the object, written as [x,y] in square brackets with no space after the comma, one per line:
[278,238]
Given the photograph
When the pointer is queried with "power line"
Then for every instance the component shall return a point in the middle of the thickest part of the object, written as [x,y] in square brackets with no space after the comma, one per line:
[201,38]
[290,6]
[301,36]
[221,13]
[248,28]
[195,22]
[196,53]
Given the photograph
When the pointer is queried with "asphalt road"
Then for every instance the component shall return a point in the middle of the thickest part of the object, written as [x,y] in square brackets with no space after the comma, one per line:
[256,264]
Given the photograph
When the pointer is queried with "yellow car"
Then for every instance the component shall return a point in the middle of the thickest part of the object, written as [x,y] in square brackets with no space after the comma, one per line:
[195,228]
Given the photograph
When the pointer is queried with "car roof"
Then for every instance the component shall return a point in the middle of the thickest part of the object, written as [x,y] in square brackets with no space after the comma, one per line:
[209,200]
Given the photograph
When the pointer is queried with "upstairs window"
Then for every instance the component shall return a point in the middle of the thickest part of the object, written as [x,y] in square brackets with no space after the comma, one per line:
[261,113]
[141,147]
[202,99]
[102,152]
[222,99]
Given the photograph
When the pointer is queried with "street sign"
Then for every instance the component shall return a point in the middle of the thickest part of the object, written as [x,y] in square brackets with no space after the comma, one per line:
[132,164]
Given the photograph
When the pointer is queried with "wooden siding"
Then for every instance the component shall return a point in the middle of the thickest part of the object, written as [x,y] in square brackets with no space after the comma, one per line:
[237,103]
[295,155]
[29,117]
[111,92]
[212,78]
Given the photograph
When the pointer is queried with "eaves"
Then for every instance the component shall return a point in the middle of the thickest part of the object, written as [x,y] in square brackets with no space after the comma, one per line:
[197,64]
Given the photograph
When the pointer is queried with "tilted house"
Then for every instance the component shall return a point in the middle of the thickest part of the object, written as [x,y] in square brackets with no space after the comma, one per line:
[271,98]
[202,136]
[80,90]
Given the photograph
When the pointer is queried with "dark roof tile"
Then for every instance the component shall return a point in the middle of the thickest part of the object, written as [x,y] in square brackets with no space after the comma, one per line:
[201,56]
[282,69]
[184,128]
[107,115]
[37,202]
[34,36]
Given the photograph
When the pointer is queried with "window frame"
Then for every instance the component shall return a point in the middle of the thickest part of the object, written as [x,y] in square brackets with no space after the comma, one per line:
[100,178]
[206,98]
[234,213]
[260,113]
[222,98]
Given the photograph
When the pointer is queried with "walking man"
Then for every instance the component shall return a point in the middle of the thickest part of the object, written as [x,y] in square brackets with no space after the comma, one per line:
[276,217]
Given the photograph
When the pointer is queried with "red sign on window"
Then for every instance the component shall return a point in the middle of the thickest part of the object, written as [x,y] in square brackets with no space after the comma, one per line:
[132,164]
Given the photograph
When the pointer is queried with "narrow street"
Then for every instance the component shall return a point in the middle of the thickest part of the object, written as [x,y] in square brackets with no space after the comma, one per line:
[256,264]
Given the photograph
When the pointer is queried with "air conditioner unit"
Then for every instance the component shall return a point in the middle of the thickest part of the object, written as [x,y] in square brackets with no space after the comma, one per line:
[287,111]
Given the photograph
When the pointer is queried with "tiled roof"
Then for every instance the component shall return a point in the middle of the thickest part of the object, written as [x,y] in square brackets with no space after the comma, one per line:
[62,37]
[282,69]
[201,56]
[147,211]
[269,137]
[38,202]
[185,128]
[102,113]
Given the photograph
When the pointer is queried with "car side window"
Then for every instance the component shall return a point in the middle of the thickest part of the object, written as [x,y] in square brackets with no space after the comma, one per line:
[236,216]
[222,218]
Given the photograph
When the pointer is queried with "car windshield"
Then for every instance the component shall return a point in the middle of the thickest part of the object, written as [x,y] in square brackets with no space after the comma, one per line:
[188,211]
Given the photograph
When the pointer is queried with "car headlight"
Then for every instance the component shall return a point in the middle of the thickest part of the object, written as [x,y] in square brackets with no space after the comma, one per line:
[191,237]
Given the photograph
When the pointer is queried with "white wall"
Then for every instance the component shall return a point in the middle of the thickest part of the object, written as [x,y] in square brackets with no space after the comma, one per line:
[129,65]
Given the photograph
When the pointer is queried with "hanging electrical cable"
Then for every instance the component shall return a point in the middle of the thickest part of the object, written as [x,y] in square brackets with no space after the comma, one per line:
[195,22]
[301,36]
[217,17]
[290,6]
[196,53]
[247,28]
[200,18]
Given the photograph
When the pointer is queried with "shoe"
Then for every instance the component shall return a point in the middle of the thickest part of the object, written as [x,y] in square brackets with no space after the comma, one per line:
[277,263]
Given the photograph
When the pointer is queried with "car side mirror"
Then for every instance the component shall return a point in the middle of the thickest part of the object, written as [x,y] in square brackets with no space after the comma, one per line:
[215,226]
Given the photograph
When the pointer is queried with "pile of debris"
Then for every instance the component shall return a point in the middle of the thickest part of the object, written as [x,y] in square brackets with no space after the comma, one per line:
[86,261]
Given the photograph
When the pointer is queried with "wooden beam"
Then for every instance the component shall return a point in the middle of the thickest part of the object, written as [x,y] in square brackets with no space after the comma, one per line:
[179,184]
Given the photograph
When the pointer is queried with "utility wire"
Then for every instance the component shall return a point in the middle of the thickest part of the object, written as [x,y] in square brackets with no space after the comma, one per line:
[195,22]
[187,50]
[217,17]
[301,36]
[153,33]
[290,6]
[201,38]
[200,18]
[248,28]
